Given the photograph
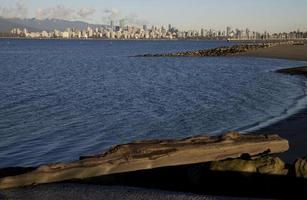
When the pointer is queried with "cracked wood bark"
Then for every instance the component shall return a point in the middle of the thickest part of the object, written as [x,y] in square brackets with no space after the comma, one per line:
[151,154]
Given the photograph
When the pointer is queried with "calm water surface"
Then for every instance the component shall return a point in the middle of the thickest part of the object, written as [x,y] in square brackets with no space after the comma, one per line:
[61,99]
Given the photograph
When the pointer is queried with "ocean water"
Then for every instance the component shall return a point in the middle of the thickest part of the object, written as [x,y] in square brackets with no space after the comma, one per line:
[62,99]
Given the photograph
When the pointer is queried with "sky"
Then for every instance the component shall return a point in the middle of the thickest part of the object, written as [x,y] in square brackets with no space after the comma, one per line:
[260,15]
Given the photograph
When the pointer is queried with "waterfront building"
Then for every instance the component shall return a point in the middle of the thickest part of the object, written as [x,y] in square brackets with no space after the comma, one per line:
[65,34]
[45,34]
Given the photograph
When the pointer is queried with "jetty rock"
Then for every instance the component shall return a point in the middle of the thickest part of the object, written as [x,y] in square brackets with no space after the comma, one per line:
[144,155]
[221,51]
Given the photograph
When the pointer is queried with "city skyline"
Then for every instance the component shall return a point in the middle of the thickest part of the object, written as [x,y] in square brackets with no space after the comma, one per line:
[123,32]
[261,15]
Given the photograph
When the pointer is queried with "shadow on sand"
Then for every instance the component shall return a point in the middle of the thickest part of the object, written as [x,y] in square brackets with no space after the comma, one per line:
[198,179]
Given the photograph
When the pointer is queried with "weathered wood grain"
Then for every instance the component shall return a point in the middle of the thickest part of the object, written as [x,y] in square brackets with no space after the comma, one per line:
[151,154]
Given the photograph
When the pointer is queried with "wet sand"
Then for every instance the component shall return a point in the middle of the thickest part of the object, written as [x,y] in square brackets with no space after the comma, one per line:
[293,128]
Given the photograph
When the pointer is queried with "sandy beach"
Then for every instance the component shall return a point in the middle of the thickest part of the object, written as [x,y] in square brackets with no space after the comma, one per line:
[293,128]
[290,52]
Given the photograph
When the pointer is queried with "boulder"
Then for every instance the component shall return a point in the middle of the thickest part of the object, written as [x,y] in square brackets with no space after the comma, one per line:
[220,51]
[236,165]
[262,165]
[271,165]
[301,167]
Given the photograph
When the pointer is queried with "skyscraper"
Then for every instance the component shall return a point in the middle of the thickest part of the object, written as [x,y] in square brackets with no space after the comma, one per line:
[122,23]
[228,30]
[145,27]
[247,33]
[169,27]
[202,32]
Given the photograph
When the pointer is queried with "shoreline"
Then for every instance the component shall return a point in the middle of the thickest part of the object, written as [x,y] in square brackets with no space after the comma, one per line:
[288,52]
[294,127]
[299,105]
[291,126]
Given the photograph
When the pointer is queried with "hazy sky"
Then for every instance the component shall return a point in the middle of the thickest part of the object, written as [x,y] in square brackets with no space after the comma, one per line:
[271,15]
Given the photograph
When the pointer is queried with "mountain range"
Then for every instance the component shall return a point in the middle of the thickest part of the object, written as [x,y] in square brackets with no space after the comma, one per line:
[33,24]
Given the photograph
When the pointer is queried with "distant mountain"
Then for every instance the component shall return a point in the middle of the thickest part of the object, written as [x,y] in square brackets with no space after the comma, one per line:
[6,25]
[50,24]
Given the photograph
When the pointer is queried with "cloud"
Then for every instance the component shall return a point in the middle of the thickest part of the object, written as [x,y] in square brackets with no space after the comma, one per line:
[111,14]
[134,19]
[20,9]
[63,12]
[85,12]
[115,14]
[57,12]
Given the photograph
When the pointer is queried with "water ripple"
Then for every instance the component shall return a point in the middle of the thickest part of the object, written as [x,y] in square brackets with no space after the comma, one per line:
[61,99]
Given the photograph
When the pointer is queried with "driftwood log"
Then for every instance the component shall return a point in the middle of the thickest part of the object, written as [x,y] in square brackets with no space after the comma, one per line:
[149,155]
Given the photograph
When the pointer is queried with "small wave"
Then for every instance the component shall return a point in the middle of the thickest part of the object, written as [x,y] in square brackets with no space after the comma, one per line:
[300,104]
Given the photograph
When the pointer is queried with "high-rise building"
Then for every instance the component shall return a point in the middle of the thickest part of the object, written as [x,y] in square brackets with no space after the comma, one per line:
[239,34]
[169,27]
[202,32]
[122,23]
[145,27]
[228,31]
[90,32]
[247,33]
[112,24]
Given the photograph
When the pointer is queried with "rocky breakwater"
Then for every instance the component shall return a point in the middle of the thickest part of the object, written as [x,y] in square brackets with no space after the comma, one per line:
[153,154]
[221,51]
